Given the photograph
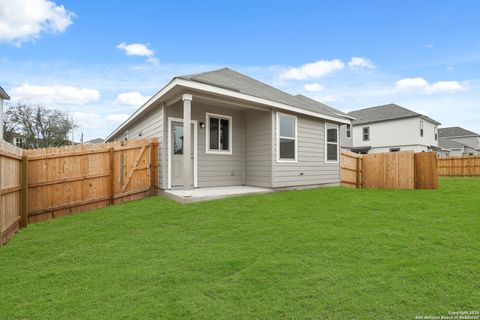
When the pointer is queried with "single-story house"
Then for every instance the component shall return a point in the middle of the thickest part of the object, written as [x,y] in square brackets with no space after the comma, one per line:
[240,132]
[390,128]
[459,141]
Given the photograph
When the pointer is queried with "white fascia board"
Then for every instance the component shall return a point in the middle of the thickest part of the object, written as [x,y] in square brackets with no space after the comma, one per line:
[145,106]
[224,92]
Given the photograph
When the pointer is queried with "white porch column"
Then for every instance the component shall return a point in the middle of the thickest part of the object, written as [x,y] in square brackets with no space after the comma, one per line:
[187,141]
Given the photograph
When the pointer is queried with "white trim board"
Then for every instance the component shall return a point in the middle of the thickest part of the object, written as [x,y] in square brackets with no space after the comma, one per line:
[169,151]
[278,137]
[207,133]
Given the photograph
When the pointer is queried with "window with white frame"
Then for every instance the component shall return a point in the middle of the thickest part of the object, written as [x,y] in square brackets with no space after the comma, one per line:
[219,133]
[286,137]
[348,131]
[331,142]
[436,133]
[366,133]
[421,128]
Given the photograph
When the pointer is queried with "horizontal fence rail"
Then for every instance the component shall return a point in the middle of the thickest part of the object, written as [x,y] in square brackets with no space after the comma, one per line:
[459,166]
[41,184]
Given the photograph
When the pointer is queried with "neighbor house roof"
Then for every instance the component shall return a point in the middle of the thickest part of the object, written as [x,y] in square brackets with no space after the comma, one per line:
[3,94]
[384,113]
[230,79]
[449,144]
[456,132]
[235,85]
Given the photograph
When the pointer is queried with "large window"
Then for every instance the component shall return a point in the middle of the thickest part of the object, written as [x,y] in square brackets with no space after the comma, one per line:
[331,142]
[421,128]
[366,133]
[286,138]
[219,134]
[348,131]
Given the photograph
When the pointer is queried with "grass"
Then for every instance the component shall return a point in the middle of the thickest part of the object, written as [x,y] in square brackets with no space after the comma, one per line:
[322,253]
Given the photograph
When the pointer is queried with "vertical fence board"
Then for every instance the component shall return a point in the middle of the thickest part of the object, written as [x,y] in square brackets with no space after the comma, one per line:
[459,166]
[426,172]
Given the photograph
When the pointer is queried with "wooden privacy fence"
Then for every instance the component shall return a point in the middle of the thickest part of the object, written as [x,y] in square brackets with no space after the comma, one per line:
[10,190]
[459,166]
[48,183]
[393,170]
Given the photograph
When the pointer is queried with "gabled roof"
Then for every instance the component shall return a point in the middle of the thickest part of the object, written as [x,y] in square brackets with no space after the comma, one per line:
[232,80]
[384,113]
[232,84]
[3,94]
[456,132]
[449,144]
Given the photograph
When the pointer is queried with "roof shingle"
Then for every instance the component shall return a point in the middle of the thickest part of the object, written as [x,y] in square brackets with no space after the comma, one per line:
[384,113]
[456,132]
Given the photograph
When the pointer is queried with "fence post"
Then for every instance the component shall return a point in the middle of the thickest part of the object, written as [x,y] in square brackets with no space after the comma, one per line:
[358,172]
[1,203]
[112,176]
[24,193]
[152,168]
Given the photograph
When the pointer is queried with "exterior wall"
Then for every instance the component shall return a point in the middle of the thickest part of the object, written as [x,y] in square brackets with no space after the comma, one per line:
[151,125]
[1,119]
[471,141]
[310,168]
[470,151]
[346,143]
[414,148]
[402,133]
[456,152]
[258,151]
[215,170]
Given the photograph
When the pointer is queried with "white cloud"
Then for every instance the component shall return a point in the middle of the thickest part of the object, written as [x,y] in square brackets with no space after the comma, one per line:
[411,83]
[357,63]
[55,94]
[429,45]
[117,118]
[313,70]
[450,68]
[437,87]
[87,120]
[132,99]
[136,49]
[313,87]
[24,20]
[446,86]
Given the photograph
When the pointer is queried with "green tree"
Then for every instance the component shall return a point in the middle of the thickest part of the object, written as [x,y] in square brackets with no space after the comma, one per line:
[41,127]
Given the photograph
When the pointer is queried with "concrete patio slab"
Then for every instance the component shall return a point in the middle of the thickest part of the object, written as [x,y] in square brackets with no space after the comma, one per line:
[212,193]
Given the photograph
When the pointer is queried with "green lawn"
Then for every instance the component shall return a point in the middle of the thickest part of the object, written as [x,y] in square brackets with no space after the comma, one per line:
[323,253]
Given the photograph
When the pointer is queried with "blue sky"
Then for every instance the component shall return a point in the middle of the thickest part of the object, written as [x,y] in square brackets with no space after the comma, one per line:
[78,55]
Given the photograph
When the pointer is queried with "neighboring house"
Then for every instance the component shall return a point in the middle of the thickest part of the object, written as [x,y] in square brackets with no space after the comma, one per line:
[19,140]
[241,132]
[3,96]
[391,128]
[459,141]
[95,141]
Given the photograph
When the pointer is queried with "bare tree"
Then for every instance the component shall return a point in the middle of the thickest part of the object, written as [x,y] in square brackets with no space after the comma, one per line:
[41,127]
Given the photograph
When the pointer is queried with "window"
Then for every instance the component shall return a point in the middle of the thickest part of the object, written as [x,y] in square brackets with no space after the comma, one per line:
[286,137]
[394,149]
[348,131]
[421,128]
[331,143]
[366,133]
[178,140]
[20,142]
[219,134]
[436,133]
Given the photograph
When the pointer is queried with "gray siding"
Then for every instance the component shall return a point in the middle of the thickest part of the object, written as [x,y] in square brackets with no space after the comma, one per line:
[310,168]
[152,126]
[345,142]
[215,170]
[258,152]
